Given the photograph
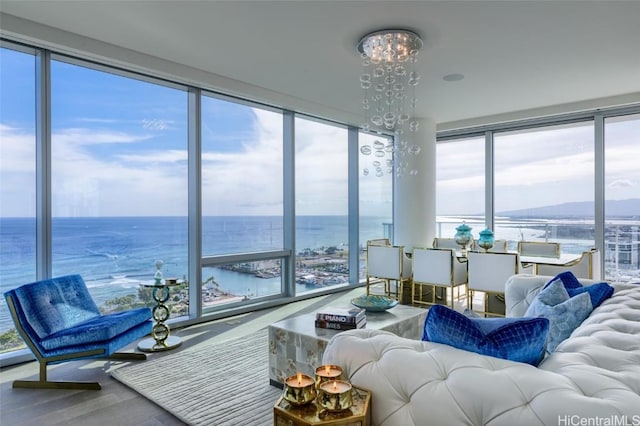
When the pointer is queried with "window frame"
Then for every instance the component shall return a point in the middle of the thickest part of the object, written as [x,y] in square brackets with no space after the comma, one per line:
[597,116]
[196,259]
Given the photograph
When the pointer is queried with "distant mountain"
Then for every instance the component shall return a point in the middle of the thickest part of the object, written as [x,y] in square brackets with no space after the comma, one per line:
[613,208]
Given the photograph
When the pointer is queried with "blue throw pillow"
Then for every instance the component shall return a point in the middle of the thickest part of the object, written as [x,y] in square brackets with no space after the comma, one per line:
[469,313]
[568,279]
[516,339]
[598,292]
[564,313]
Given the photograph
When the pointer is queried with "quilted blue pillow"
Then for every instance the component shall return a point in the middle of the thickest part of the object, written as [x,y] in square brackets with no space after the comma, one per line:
[564,313]
[598,292]
[516,339]
[568,279]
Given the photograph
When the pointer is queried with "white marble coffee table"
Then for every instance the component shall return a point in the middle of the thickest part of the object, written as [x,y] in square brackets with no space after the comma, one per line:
[295,344]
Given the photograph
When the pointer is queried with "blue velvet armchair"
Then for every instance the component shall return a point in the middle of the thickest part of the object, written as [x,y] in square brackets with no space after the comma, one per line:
[59,321]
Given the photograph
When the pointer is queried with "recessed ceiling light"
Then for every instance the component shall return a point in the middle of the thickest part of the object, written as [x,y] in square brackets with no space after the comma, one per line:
[453,77]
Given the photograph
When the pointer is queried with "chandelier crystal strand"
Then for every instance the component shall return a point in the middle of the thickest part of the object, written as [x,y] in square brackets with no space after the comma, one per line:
[388,77]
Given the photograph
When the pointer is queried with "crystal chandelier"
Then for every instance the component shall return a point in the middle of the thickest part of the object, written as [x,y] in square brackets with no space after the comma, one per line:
[389,80]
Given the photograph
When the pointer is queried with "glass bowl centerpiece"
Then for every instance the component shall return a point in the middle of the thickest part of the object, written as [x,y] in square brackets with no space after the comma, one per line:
[374,303]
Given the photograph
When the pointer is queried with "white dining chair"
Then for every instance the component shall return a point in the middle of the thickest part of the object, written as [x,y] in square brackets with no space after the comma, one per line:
[445,243]
[539,248]
[379,242]
[587,266]
[499,246]
[487,273]
[389,265]
[436,268]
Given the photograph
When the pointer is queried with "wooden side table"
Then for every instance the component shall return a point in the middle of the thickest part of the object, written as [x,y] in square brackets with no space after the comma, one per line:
[286,414]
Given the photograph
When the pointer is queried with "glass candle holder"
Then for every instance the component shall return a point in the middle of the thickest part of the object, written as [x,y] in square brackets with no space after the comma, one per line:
[335,395]
[299,389]
[328,372]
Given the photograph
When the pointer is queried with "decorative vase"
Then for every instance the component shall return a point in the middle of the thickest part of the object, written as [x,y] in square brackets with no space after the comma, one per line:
[463,236]
[486,239]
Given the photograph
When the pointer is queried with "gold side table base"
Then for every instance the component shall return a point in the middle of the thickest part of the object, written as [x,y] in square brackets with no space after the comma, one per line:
[151,345]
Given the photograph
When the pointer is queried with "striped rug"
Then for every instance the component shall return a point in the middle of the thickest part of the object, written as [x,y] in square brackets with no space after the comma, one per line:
[222,383]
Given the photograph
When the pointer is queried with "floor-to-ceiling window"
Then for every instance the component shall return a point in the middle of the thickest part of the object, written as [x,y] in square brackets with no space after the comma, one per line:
[125,159]
[242,200]
[321,205]
[119,182]
[460,186]
[622,195]
[544,181]
[547,184]
[17,180]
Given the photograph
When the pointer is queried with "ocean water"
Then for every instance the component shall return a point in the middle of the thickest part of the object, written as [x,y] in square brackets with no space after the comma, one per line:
[115,254]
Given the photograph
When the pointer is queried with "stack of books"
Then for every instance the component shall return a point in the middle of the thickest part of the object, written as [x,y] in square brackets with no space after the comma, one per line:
[341,318]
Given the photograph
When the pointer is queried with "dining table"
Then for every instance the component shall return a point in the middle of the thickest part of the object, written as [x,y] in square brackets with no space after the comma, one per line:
[565,259]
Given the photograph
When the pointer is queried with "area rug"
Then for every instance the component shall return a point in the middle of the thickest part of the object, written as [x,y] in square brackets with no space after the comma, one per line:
[222,383]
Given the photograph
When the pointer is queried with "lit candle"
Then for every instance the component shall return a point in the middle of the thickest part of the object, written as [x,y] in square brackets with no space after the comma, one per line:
[327,372]
[336,386]
[299,389]
[299,380]
[335,395]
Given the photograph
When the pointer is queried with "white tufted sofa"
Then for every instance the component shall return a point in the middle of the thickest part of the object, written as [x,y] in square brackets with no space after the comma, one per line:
[594,376]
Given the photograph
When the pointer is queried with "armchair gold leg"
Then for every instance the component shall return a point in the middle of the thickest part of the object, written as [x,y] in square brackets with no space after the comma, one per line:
[134,356]
[43,384]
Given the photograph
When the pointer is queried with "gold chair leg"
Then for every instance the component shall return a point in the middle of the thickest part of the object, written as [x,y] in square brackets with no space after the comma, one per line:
[452,297]
[413,293]
[43,383]
[40,384]
[486,304]
[134,356]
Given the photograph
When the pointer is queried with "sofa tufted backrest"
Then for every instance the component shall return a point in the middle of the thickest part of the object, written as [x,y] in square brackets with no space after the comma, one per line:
[602,356]
[53,305]
[593,374]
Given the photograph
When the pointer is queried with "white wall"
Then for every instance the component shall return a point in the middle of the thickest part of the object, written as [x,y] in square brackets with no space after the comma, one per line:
[414,216]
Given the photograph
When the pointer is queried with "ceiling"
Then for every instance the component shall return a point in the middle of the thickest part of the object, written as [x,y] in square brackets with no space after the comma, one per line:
[514,55]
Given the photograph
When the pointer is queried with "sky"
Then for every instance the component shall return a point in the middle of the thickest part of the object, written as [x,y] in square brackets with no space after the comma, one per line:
[536,168]
[119,148]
